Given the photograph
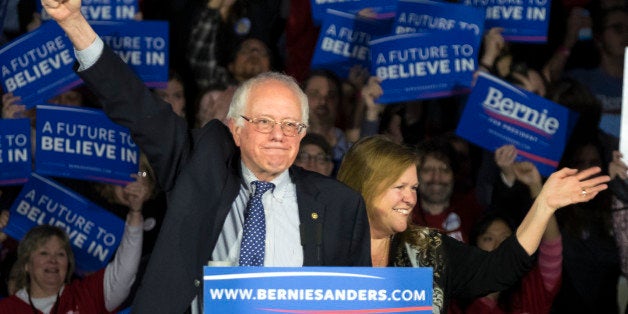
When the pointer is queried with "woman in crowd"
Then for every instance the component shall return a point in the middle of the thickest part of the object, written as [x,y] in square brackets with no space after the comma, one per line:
[45,266]
[385,174]
[537,289]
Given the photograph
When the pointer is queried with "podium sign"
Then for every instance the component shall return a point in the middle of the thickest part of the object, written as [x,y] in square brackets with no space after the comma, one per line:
[316,289]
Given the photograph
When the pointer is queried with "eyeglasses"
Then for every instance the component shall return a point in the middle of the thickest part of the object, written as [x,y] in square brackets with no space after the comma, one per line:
[320,159]
[266,125]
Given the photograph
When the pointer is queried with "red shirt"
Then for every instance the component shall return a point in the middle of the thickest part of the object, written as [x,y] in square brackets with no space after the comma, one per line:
[84,296]
[455,221]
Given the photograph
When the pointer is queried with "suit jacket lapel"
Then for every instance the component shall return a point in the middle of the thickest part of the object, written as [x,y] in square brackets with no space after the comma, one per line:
[311,216]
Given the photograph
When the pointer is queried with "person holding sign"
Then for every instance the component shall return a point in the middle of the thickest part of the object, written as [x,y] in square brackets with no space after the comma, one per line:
[385,173]
[45,267]
[538,288]
[217,175]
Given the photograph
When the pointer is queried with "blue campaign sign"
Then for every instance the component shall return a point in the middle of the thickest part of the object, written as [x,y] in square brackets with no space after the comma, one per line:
[94,232]
[82,143]
[15,151]
[317,290]
[523,21]
[102,10]
[428,16]
[379,9]
[344,42]
[142,45]
[38,65]
[498,113]
[424,65]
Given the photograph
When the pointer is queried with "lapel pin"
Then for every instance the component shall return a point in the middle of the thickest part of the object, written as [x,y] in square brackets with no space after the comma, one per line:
[314,216]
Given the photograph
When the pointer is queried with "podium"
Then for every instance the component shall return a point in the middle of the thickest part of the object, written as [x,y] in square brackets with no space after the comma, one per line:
[317,290]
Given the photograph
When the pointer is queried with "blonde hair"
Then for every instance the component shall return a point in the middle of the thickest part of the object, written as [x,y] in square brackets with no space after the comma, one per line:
[374,163]
[34,239]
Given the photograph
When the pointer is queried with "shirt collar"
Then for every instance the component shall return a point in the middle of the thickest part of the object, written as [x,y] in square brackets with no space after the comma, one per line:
[281,182]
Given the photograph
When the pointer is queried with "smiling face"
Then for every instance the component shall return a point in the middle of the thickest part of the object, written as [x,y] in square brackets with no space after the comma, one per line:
[437,181]
[47,267]
[268,155]
[393,206]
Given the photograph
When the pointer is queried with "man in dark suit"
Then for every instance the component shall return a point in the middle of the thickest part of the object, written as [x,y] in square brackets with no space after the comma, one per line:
[207,174]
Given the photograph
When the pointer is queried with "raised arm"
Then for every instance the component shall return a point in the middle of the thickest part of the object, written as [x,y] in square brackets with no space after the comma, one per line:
[493,43]
[126,100]
[372,109]
[120,273]
[562,188]
[68,15]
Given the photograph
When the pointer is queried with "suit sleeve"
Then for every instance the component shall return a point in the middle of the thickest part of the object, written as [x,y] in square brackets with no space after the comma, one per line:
[362,237]
[473,272]
[160,133]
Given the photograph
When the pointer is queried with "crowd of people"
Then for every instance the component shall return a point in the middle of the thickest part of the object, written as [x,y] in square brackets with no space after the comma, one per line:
[352,182]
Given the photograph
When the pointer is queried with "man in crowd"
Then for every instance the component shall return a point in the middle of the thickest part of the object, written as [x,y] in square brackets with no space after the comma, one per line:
[438,206]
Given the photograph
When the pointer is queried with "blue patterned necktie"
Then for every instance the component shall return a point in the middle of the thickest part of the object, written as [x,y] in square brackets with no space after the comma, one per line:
[254,234]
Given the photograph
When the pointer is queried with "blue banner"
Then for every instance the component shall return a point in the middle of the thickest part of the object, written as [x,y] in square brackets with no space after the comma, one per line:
[415,16]
[38,65]
[15,151]
[523,21]
[344,42]
[424,65]
[317,290]
[498,113]
[94,232]
[142,45]
[382,9]
[102,10]
[82,143]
